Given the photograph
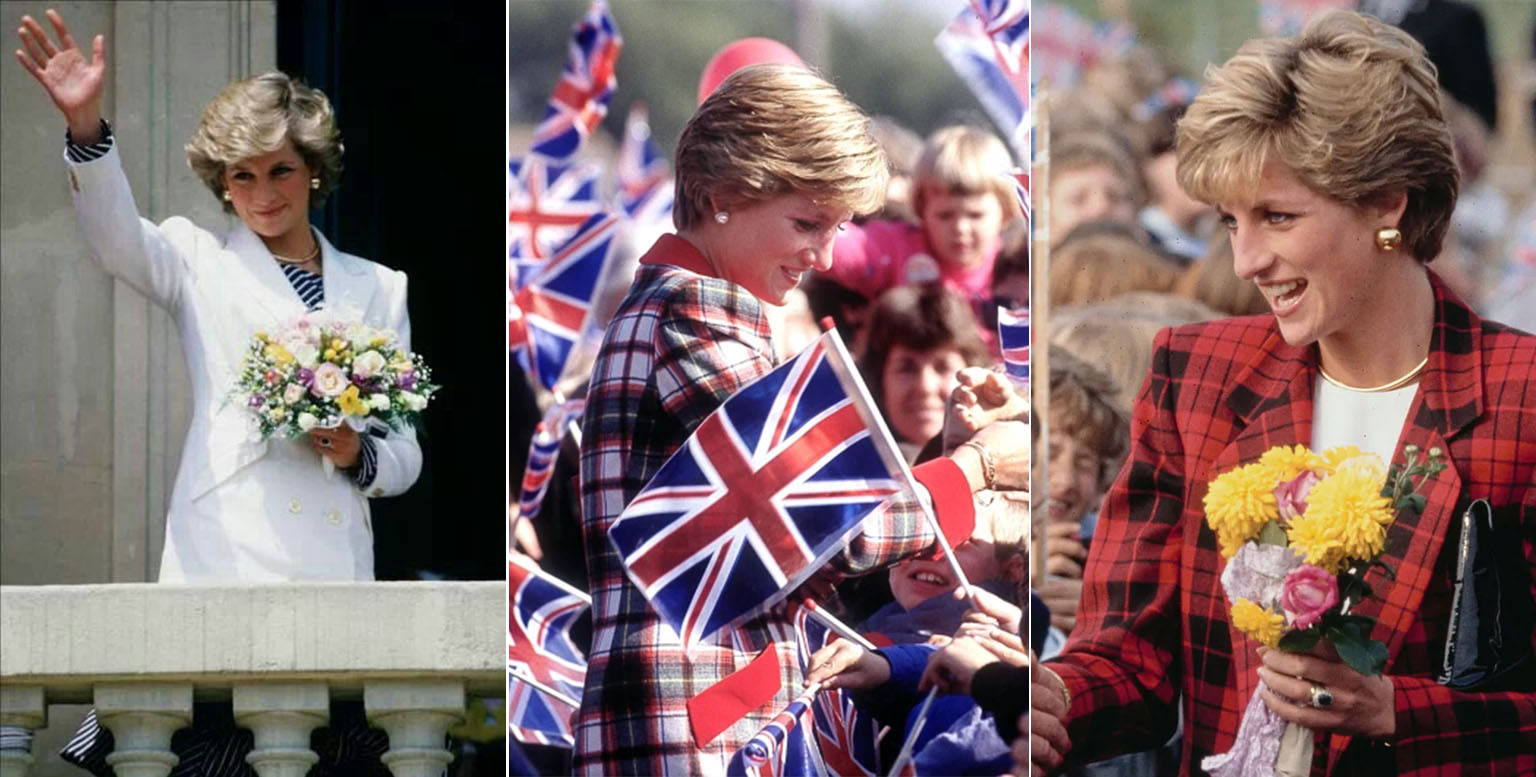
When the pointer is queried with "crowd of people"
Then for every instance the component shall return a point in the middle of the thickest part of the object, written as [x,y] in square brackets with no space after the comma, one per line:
[1229,264]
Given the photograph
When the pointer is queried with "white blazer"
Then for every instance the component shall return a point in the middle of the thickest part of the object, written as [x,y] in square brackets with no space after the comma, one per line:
[244,510]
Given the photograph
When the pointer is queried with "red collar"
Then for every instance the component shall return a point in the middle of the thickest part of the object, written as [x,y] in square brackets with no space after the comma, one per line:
[678,252]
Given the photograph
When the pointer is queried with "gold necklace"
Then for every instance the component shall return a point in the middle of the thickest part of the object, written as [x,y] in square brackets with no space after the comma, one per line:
[296,261]
[1395,383]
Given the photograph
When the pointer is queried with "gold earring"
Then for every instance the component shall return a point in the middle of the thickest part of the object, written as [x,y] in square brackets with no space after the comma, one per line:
[1388,238]
[314,183]
[226,196]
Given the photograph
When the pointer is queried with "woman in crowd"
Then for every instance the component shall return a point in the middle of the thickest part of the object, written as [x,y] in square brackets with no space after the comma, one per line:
[773,161]
[1330,163]
[241,510]
[918,338]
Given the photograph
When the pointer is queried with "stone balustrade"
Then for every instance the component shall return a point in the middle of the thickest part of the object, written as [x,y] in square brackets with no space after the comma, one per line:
[279,654]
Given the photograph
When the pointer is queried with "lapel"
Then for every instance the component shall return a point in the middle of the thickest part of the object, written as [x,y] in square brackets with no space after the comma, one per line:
[349,286]
[1271,404]
[265,283]
[1450,398]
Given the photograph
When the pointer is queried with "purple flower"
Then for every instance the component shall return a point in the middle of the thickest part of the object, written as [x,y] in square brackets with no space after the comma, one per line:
[255,400]
[407,380]
[306,376]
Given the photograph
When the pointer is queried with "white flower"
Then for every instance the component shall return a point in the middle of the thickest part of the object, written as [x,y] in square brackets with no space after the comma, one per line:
[330,381]
[292,394]
[413,401]
[378,401]
[295,339]
[307,421]
[367,364]
[357,333]
[306,355]
[1369,465]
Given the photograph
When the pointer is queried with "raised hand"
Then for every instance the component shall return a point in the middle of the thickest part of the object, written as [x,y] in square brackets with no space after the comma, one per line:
[73,82]
[981,397]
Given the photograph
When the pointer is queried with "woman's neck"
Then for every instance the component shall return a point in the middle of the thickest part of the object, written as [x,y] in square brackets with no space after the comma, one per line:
[294,245]
[1391,332]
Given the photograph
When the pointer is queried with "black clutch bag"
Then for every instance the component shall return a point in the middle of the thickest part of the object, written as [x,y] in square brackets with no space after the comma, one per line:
[1488,645]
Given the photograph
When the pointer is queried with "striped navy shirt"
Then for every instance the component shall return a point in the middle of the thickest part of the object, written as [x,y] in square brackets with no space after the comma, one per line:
[309,286]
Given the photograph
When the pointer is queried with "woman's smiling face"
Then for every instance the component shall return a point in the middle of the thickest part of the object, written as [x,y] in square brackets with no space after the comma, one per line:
[768,246]
[270,192]
[1313,257]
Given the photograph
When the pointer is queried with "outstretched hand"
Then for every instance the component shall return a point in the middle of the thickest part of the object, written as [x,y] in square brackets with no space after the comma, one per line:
[73,82]
[981,397]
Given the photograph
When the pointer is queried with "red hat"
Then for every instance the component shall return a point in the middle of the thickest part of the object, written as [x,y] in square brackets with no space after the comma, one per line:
[741,53]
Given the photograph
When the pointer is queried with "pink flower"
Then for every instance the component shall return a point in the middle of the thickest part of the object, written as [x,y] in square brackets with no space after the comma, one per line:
[1307,593]
[1292,494]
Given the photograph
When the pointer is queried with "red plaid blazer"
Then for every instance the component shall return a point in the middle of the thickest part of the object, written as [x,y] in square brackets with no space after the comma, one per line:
[680,344]
[1153,624]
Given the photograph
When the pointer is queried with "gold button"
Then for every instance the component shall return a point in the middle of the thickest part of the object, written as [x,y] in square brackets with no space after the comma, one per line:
[295,506]
[334,516]
[376,491]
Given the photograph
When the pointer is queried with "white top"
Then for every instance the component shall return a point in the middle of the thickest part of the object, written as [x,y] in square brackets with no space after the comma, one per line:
[1371,421]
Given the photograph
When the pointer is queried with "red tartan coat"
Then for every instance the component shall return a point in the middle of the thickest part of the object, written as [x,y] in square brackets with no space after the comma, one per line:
[1153,623]
[679,345]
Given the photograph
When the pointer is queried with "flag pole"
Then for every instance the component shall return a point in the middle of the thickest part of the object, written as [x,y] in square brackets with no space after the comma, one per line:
[906,747]
[1039,328]
[849,375]
[546,689]
[839,628]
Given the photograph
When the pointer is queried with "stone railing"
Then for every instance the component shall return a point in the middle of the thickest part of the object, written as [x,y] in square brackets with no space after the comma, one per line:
[140,653]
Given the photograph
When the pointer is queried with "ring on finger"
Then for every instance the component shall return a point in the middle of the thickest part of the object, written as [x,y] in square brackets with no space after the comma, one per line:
[1320,697]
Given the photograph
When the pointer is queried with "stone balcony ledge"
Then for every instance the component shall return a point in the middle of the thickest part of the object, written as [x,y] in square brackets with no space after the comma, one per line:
[142,652]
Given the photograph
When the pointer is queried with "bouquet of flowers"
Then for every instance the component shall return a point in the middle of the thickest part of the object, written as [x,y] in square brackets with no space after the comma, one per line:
[322,372]
[1302,531]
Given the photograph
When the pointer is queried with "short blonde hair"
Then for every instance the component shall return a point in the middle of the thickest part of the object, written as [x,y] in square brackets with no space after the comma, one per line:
[256,116]
[1350,105]
[1107,149]
[1099,260]
[963,160]
[769,130]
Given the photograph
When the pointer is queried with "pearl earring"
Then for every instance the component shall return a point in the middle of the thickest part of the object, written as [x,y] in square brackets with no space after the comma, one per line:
[721,217]
[226,196]
[314,183]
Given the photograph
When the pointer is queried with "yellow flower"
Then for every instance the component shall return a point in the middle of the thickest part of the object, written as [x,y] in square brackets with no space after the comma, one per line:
[1257,622]
[278,354]
[1317,539]
[1238,504]
[329,355]
[1350,504]
[1333,457]
[1368,465]
[338,343]
[1286,462]
[350,403]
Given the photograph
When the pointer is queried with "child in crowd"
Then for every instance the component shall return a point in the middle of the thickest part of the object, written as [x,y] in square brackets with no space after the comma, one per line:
[1093,177]
[962,199]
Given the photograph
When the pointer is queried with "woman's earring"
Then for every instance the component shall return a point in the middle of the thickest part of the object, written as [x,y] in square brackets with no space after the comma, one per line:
[226,196]
[721,217]
[314,183]
[1388,238]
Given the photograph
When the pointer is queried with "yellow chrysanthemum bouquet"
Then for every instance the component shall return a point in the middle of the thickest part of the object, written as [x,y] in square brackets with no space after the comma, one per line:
[1301,531]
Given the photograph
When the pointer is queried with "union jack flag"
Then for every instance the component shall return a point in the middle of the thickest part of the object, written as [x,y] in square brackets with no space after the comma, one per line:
[643,172]
[1068,44]
[1179,91]
[545,318]
[545,205]
[764,492]
[794,755]
[1287,17]
[539,648]
[848,739]
[1013,336]
[1019,177]
[580,99]
[988,46]
[543,449]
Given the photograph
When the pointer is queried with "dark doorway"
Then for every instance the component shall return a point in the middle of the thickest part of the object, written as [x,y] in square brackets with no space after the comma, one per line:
[419,94]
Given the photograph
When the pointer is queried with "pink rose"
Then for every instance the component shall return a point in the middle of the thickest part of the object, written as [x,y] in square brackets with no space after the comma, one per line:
[1292,494]
[1307,593]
